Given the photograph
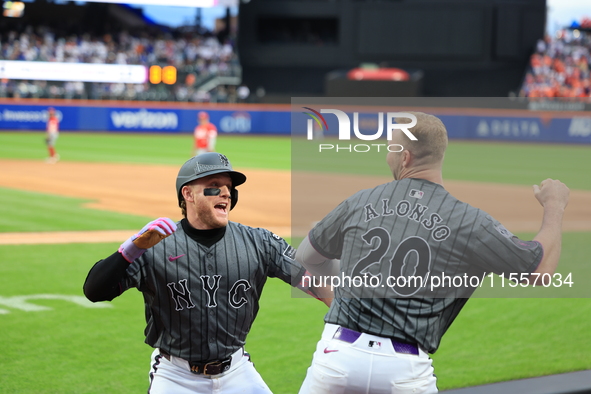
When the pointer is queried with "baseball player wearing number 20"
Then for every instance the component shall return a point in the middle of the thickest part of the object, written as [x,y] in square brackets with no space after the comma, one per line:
[201,280]
[411,226]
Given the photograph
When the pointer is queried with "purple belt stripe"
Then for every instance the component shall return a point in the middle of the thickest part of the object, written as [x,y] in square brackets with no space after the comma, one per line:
[350,336]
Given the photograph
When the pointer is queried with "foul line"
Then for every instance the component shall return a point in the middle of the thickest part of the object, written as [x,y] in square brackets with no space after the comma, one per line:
[69,237]
[65,237]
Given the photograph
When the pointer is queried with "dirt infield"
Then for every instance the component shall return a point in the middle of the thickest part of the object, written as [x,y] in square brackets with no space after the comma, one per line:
[265,199]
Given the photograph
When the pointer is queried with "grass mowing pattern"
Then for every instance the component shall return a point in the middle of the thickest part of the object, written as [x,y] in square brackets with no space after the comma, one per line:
[516,163]
[46,212]
[243,151]
[103,350]
[70,349]
[523,164]
[122,148]
[504,339]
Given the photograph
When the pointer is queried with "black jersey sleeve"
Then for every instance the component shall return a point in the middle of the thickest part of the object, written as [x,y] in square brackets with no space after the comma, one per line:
[103,282]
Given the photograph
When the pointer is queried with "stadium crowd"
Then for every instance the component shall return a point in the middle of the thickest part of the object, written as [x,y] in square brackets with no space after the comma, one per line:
[558,68]
[197,57]
[560,65]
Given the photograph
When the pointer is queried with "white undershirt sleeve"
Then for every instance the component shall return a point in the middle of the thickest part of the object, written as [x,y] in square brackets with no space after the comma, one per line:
[316,263]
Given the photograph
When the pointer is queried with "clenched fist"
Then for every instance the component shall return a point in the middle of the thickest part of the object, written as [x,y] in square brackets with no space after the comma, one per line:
[149,235]
[552,193]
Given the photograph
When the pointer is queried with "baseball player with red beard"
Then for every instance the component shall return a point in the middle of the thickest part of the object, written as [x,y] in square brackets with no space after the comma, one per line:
[201,279]
[378,340]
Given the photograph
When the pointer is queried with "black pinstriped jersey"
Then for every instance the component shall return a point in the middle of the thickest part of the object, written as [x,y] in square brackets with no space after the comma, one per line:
[413,228]
[201,301]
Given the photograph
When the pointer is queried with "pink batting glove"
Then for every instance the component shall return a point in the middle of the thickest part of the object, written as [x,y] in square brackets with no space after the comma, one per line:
[150,235]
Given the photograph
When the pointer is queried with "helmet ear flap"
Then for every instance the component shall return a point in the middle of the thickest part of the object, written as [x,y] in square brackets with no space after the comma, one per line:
[233,198]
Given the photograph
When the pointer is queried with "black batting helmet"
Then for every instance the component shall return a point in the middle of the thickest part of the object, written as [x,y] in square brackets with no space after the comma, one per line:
[207,164]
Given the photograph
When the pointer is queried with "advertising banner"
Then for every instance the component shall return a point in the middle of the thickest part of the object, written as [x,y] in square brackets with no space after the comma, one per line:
[461,123]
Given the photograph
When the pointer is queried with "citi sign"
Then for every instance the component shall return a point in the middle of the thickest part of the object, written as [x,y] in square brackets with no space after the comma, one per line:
[344,129]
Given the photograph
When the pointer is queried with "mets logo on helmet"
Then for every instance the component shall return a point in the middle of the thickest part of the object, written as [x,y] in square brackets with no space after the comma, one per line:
[224,160]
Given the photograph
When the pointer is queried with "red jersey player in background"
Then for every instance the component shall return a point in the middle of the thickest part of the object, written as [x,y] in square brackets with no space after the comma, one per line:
[52,132]
[205,134]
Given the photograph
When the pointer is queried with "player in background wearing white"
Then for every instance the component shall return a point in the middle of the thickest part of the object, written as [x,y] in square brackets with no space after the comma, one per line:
[205,134]
[377,340]
[51,135]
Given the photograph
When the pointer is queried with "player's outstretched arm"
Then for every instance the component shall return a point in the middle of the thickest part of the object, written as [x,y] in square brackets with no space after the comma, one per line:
[103,282]
[553,195]
[318,265]
[314,262]
[309,286]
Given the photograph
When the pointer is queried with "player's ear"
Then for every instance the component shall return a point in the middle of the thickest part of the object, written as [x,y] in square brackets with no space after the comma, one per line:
[187,193]
[406,158]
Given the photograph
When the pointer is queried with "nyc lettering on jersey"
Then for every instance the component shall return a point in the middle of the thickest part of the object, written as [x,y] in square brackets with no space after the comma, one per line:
[182,296]
[417,212]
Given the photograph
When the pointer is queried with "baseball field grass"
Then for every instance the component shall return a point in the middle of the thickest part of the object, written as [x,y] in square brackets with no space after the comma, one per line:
[498,162]
[46,212]
[254,151]
[71,346]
